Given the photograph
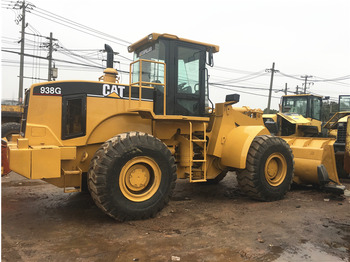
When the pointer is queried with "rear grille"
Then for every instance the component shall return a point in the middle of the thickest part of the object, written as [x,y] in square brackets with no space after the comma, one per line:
[341,133]
[25,113]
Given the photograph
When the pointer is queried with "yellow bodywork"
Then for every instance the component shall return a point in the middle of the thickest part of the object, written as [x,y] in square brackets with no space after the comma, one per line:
[300,123]
[223,142]
[297,119]
[229,132]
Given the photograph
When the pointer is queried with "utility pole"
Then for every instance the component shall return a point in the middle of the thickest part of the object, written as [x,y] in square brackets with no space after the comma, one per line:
[305,77]
[22,18]
[50,58]
[286,89]
[272,70]
[21,62]
[297,90]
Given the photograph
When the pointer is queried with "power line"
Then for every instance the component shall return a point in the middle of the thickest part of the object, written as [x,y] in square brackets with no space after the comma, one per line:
[239,86]
[332,79]
[245,92]
[244,78]
[79,27]
[85,27]
[60,60]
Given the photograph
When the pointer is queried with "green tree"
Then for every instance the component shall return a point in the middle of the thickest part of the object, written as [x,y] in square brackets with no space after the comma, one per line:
[272,111]
[328,110]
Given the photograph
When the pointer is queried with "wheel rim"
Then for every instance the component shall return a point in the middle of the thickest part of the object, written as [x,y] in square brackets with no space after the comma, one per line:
[139,179]
[275,169]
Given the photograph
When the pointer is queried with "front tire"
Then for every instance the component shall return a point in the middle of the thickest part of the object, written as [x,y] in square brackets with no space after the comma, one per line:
[269,169]
[132,176]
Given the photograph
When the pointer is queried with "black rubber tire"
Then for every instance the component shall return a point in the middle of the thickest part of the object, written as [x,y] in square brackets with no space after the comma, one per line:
[8,129]
[84,184]
[105,173]
[217,179]
[252,180]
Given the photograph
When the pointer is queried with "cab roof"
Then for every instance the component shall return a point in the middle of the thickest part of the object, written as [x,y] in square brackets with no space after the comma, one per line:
[154,37]
[300,95]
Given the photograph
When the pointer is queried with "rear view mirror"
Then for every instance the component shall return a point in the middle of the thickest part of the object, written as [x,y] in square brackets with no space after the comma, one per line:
[210,61]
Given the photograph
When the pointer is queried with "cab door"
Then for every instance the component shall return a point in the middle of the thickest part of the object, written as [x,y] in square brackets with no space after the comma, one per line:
[187,79]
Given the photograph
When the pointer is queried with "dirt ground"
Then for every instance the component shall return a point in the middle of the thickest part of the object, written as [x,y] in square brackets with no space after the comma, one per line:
[201,223]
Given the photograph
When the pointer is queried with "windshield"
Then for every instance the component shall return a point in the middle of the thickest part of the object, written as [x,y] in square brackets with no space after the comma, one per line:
[344,103]
[297,105]
[151,72]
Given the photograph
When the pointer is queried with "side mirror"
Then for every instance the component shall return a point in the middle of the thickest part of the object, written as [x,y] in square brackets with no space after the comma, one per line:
[210,57]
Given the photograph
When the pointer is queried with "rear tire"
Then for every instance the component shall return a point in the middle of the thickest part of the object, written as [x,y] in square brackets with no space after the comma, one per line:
[269,169]
[8,129]
[132,176]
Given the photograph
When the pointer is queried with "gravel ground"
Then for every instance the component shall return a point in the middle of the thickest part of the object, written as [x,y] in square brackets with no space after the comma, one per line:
[201,223]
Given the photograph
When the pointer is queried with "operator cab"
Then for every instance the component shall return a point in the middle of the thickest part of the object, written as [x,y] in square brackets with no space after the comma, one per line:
[344,103]
[185,72]
[309,106]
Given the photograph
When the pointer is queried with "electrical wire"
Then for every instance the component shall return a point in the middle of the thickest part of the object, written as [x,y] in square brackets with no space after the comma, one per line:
[79,27]
[83,26]
[245,92]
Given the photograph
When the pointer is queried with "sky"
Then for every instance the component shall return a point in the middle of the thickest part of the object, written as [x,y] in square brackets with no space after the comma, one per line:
[302,37]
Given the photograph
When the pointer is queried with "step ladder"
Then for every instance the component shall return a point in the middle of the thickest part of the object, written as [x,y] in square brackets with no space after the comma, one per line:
[203,168]
[66,173]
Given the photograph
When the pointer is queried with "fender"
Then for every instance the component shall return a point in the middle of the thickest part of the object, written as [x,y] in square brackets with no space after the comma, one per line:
[237,144]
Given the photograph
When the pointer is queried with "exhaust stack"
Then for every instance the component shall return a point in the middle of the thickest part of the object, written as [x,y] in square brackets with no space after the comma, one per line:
[110,74]
[110,56]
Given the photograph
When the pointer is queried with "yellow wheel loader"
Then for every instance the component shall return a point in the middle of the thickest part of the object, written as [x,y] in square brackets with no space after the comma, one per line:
[300,116]
[132,141]
[337,128]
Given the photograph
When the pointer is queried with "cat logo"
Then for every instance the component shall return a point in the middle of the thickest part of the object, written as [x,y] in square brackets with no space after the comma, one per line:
[113,91]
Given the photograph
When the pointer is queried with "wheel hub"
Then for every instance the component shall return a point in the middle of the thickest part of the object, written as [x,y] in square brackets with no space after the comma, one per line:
[275,169]
[140,178]
[137,177]
[272,168]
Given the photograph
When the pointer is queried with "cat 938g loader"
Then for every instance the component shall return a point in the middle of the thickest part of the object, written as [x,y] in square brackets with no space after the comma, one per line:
[132,141]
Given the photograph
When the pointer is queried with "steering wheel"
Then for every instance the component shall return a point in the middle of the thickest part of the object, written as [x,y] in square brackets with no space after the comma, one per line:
[182,88]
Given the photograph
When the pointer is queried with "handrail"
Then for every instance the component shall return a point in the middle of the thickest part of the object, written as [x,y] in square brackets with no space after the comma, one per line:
[143,84]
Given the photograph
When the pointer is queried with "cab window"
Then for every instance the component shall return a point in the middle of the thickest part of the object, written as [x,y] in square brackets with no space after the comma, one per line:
[151,72]
[73,116]
[316,108]
[296,105]
[188,71]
